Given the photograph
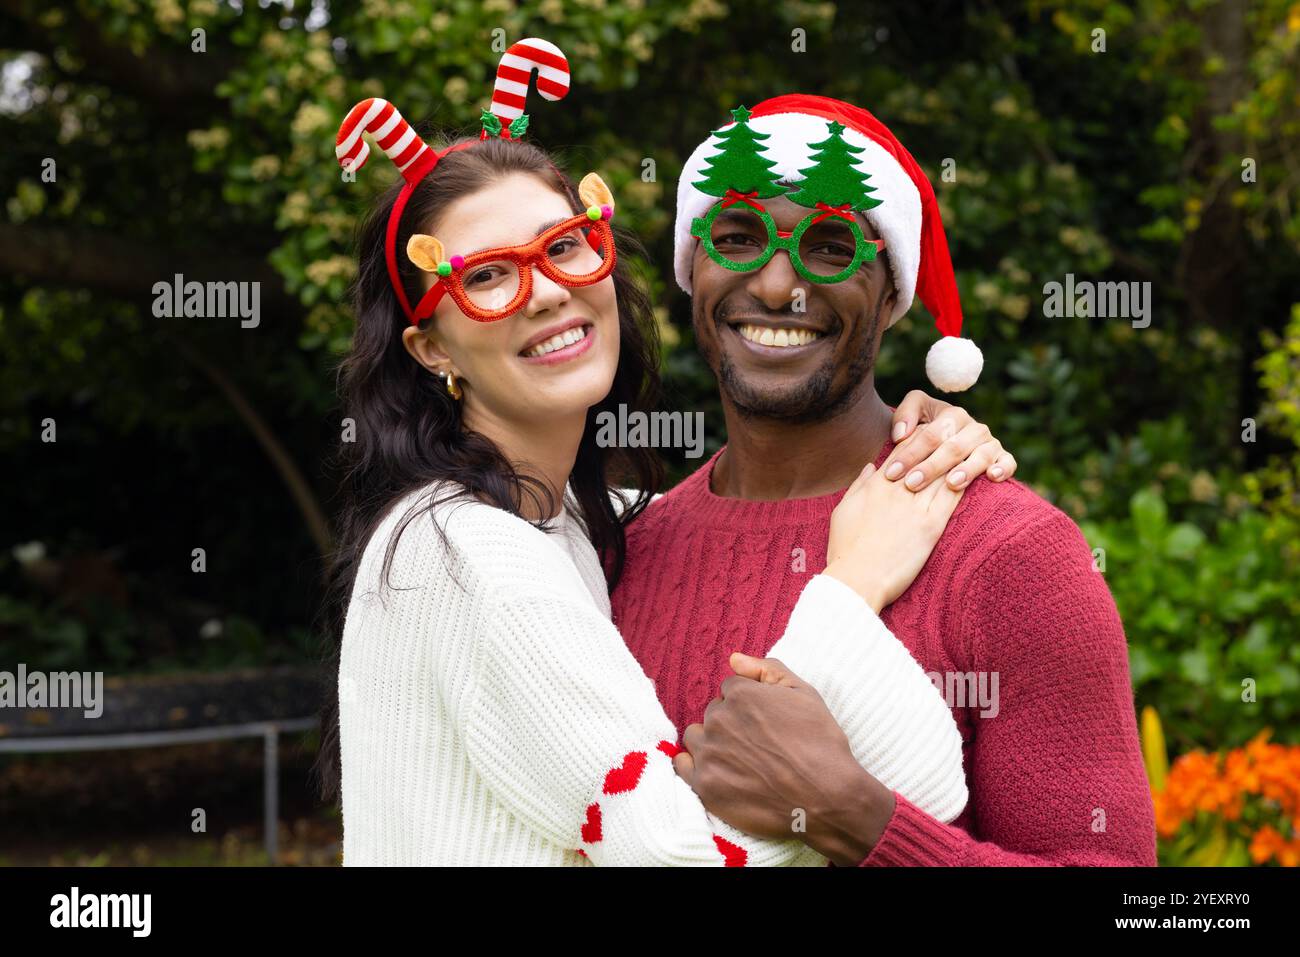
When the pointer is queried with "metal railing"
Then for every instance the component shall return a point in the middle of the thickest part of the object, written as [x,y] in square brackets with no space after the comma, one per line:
[268,731]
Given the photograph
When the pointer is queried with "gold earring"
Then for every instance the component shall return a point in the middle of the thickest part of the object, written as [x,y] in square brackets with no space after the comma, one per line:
[453,387]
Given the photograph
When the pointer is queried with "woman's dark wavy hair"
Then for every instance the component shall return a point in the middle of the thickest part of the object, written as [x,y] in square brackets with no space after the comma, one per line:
[409,432]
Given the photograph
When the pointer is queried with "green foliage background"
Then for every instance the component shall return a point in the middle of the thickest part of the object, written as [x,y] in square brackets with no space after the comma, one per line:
[1123,164]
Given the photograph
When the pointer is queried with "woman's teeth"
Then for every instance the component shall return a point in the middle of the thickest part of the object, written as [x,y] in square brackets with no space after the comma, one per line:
[778,337]
[558,341]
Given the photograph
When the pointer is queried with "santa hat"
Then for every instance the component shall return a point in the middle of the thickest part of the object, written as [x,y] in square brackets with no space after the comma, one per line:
[907,217]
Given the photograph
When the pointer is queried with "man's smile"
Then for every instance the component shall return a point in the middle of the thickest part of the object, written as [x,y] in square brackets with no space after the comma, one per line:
[776,338]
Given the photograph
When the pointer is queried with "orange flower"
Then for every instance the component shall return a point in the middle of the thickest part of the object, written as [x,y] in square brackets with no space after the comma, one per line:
[1266,842]
[1212,784]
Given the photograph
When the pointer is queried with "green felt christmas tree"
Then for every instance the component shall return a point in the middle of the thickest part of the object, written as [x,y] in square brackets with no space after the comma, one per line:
[834,179]
[739,164]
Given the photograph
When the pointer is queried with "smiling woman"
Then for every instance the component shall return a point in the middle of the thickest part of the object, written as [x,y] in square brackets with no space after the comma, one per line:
[412,430]
[539,264]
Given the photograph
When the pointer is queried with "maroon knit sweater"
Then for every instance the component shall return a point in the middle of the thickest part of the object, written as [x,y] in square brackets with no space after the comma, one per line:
[1055,775]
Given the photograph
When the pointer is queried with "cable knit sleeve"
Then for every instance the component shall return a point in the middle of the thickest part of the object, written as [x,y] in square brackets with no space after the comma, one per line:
[1057,775]
[565,728]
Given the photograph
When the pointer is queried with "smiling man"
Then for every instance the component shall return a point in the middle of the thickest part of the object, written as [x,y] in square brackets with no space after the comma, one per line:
[804,231]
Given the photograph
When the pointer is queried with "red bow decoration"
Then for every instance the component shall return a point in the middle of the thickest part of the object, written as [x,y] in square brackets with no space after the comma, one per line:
[842,211]
[749,199]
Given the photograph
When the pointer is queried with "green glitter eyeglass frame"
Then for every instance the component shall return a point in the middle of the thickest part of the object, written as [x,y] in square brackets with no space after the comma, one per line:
[865,250]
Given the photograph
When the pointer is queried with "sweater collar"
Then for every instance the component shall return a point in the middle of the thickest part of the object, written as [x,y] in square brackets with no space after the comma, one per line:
[708,508]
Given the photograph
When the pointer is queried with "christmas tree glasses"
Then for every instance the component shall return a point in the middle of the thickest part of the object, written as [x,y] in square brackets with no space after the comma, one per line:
[826,246]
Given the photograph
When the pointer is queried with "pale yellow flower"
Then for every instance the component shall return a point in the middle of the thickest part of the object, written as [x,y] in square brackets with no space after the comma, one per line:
[323,270]
[456,90]
[1203,487]
[168,13]
[1016,306]
[1005,105]
[265,167]
[319,60]
[216,138]
[310,118]
[294,208]
[987,292]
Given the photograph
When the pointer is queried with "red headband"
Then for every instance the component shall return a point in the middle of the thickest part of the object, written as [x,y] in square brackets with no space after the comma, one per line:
[395,218]
[415,159]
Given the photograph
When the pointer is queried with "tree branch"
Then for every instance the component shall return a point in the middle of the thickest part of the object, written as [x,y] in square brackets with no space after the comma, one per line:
[128,268]
[170,80]
[296,483]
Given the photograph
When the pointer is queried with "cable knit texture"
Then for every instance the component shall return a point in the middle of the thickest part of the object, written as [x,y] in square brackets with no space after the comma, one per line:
[490,713]
[1055,773]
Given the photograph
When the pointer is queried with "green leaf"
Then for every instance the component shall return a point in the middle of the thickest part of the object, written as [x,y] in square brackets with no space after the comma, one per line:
[1149,515]
[1184,541]
[1195,666]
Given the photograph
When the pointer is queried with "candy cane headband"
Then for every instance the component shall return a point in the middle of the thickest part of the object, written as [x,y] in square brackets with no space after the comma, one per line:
[415,159]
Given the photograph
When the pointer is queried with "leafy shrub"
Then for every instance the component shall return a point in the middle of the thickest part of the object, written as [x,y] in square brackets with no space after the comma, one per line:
[1203,614]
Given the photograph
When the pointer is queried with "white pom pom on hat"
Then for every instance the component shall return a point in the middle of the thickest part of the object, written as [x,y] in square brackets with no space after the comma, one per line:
[907,219]
[953,364]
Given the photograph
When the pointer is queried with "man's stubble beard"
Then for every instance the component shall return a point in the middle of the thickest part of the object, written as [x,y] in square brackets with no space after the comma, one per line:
[814,399]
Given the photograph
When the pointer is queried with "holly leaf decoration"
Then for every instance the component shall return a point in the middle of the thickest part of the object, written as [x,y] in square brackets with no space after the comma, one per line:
[491,125]
[519,126]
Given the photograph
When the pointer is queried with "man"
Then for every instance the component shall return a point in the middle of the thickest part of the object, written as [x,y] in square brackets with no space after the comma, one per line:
[1009,616]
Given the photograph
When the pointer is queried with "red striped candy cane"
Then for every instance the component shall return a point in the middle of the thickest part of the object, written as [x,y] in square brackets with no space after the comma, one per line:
[394,135]
[516,70]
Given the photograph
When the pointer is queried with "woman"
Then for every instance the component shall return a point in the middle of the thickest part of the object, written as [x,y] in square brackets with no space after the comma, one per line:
[488,711]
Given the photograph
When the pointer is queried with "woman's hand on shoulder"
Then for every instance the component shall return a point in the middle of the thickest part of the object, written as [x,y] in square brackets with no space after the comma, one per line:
[882,533]
[934,438]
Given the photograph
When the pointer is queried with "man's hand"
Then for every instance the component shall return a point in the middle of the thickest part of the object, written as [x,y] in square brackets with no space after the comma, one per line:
[770,759]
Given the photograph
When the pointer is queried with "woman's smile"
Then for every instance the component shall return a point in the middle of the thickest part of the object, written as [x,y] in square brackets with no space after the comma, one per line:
[563,342]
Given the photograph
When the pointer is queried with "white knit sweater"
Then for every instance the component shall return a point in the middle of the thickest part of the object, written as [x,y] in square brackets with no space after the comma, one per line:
[490,712]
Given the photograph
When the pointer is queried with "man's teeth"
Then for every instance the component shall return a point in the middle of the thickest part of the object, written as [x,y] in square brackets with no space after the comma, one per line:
[778,337]
[558,341]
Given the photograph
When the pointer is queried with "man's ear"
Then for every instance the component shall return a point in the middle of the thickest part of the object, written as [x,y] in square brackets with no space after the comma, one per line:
[593,191]
[425,251]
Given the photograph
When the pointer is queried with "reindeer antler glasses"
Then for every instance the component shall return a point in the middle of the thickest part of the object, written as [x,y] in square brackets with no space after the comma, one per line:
[495,283]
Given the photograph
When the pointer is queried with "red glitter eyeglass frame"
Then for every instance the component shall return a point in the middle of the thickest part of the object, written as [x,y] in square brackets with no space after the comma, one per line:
[449,281]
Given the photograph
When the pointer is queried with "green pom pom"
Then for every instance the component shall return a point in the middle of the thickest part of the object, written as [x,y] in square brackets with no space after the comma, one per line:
[444,269]
[593,212]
